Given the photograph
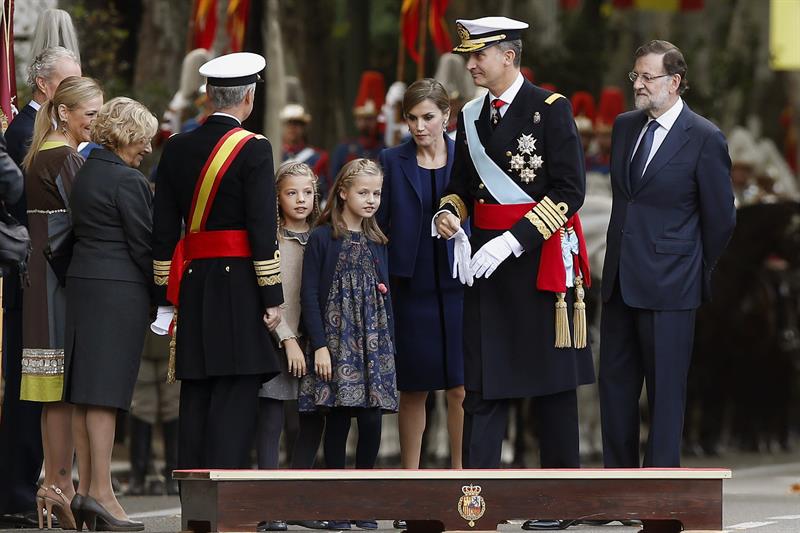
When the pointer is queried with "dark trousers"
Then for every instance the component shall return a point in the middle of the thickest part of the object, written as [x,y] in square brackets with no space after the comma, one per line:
[20,427]
[654,347]
[485,423]
[217,421]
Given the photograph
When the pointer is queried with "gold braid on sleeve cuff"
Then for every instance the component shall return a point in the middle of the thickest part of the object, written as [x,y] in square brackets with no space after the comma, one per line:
[161,272]
[268,272]
[547,216]
[455,201]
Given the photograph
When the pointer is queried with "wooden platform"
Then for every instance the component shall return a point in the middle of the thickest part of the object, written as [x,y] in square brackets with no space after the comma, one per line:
[666,500]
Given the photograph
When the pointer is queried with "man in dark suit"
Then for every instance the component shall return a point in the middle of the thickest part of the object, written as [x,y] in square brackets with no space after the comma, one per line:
[672,216]
[20,429]
[518,174]
[229,264]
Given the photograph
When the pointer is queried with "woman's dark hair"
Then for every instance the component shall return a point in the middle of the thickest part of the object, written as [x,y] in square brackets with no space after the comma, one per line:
[426,89]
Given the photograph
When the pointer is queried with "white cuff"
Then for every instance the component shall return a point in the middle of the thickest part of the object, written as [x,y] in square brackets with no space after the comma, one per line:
[160,325]
[513,243]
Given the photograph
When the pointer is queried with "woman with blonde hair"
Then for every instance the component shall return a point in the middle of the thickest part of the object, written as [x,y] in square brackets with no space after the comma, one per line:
[108,300]
[50,167]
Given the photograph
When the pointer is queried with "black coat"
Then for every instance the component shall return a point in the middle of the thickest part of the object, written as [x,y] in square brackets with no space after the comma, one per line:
[220,327]
[509,325]
[10,177]
[112,221]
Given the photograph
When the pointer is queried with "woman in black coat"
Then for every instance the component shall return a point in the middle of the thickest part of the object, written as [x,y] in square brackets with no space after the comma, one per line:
[108,299]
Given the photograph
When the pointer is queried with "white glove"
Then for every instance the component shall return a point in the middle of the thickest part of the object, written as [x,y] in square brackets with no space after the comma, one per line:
[160,325]
[461,254]
[488,258]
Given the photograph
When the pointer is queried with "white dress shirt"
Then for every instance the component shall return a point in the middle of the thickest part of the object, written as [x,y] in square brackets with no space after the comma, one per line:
[509,94]
[665,123]
[226,115]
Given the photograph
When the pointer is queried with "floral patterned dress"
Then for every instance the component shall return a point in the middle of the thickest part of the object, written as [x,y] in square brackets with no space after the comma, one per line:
[360,342]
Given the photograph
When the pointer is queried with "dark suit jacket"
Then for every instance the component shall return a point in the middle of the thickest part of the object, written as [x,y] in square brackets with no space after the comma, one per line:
[10,177]
[319,266]
[18,139]
[400,213]
[666,234]
[112,221]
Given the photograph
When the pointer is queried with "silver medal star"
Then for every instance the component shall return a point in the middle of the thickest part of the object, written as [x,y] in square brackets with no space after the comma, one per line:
[527,175]
[536,162]
[527,144]
[517,162]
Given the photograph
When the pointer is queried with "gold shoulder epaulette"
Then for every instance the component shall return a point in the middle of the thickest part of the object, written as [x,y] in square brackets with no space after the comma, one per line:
[552,98]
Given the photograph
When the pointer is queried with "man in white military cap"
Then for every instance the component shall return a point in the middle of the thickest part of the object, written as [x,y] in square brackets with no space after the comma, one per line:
[519,176]
[217,180]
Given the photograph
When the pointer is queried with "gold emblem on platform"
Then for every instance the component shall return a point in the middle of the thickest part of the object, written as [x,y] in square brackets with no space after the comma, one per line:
[471,505]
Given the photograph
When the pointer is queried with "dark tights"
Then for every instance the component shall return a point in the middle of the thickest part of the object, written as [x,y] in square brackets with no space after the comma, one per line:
[270,425]
[308,438]
[337,427]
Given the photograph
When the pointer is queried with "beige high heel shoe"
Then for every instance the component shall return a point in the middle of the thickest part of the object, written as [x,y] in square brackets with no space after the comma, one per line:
[58,503]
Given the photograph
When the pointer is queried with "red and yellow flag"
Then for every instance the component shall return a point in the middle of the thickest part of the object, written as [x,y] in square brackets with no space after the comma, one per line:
[8,79]
[437,26]
[236,24]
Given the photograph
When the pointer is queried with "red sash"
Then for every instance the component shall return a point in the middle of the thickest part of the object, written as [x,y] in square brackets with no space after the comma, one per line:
[201,244]
[552,275]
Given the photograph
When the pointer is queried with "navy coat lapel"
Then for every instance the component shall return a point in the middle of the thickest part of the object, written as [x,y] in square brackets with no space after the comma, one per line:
[408,163]
[673,142]
[513,121]
[482,124]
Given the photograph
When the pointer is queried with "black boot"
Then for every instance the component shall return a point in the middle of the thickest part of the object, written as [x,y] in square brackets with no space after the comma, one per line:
[140,437]
[170,430]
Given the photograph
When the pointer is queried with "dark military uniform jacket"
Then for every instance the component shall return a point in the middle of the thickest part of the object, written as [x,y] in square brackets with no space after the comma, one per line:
[222,301]
[509,325]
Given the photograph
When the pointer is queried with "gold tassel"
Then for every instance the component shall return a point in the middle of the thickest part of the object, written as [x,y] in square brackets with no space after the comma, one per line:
[172,348]
[579,314]
[562,323]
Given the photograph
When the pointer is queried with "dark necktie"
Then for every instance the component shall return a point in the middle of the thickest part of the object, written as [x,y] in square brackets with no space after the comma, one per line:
[496,105]
[640,157]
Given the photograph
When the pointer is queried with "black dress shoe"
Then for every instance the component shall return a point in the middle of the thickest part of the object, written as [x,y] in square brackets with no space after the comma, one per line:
[272,525]
[535,525]
[400,524]
[94,512]
[310,524]
[19,521]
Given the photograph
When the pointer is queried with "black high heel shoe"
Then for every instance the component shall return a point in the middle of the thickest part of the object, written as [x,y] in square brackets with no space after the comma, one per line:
[76,506]
[96,515]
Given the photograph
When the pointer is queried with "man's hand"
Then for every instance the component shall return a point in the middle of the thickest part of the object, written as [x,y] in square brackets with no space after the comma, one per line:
[272,318]
[461,256]
[489,257]
[447,225]
[295,358]
[322,363]
[160,325]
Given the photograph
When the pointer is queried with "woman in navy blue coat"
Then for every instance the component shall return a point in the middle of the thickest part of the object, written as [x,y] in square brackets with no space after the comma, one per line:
[427,300]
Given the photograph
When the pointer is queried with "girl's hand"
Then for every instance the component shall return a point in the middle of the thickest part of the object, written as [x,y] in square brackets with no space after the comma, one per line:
[295,358]
[322,363]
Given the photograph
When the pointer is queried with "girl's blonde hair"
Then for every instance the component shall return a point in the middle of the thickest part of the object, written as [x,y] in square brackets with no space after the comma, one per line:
[332,214]
[294,168]
[72,92]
